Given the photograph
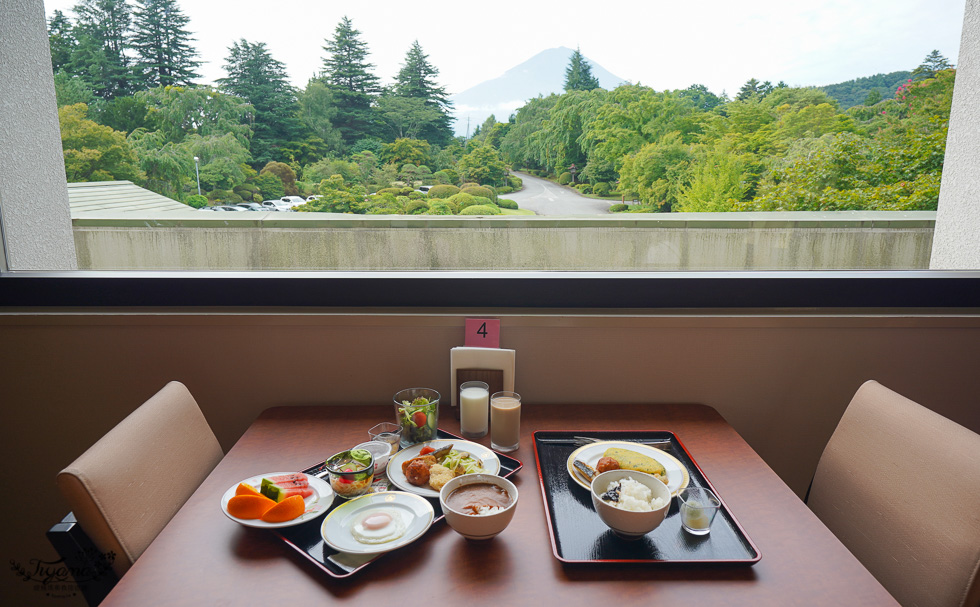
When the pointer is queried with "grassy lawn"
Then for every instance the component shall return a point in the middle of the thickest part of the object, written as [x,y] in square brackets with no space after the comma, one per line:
[516,212]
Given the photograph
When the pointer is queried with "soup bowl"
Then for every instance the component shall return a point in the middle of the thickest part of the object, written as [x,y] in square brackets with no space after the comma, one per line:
[478,526]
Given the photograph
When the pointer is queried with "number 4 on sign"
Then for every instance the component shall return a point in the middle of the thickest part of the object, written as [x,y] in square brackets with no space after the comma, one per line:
[482,333]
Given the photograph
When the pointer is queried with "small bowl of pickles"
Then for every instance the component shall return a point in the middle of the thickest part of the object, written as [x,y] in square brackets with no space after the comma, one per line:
[351,472]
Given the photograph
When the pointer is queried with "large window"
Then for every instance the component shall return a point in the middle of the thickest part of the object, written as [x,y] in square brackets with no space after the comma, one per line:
[743,164]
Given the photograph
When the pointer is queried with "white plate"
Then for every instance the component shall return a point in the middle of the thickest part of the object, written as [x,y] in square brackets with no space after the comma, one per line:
[316,504]
[488,459]
[677,476]
[416,513]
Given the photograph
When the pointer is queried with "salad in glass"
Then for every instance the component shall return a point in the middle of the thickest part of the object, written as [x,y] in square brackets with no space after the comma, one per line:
[417,412]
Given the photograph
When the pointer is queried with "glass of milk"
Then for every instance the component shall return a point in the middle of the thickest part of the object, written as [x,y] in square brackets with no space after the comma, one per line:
[505,421]
[474,408]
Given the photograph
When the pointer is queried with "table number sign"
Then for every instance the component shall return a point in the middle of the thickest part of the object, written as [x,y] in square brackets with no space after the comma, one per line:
[482,333]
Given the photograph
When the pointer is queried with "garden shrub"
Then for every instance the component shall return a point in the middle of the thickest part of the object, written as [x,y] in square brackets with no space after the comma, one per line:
[443,191]
[440,207]
[504,190]
[618,208]
[416,195]
[468,184]
[447,176]
[480,209]
[270,186]
[515,182]
[601,189]
[584,188]
[506,203]
[416,207]
[286,175]
[218,194]
[197,201]
[565,178]
[480,190]
[462,200]
[400,191]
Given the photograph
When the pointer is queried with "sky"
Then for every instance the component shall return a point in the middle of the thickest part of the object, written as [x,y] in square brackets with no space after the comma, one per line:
[664,45]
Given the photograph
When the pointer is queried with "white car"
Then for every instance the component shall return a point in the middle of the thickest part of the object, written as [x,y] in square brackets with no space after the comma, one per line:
[294,201]
[277,205]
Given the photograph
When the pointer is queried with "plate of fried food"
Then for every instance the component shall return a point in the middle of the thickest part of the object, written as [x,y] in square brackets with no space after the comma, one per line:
[424,468]
[586,462]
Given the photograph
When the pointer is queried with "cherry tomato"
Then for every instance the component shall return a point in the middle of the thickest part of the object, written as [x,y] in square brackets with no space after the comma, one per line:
[418,418]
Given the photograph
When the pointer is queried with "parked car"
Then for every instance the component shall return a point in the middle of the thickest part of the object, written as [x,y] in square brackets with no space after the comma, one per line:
[294,200]
[424,188]
[277,205]
[313,197]
[251,206]
[228,207]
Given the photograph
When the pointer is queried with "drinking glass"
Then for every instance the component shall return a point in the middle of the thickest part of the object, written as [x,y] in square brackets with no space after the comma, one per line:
[698,508]
[505,421]
[387,432]
[474,408]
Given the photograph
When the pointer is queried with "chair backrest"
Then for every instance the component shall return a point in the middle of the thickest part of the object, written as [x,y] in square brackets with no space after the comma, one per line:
[127,486]
[899,485]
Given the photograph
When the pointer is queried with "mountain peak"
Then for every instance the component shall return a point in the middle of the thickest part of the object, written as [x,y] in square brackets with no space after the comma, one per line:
[542,74]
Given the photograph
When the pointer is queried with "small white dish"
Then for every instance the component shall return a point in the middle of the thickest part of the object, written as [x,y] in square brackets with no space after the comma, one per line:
[316,504]
[488,459]
[416,513]
[381,452]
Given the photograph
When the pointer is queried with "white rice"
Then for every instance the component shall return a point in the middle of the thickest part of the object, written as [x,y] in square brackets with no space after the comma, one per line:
[634,496]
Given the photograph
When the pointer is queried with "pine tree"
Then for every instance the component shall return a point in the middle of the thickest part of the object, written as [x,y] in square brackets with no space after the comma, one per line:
[255,76]
[578,74]
[348,74]
[61,38]
[163,45]
[933,63]
[102,29]
[416,80]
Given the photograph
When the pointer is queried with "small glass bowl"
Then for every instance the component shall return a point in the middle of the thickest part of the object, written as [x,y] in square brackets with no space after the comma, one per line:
[347,477]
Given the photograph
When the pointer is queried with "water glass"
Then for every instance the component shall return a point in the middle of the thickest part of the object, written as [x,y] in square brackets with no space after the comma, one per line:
[387,432]
[698,508]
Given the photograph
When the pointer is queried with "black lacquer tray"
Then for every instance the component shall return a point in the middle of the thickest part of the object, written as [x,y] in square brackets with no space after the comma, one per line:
[578,536]
[306,539]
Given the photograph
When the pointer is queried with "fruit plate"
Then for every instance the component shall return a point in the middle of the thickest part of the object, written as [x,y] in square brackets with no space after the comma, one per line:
[316,504]
[343,529]
[308,541]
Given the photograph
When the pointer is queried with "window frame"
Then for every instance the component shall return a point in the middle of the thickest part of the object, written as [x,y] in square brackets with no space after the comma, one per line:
[741,290]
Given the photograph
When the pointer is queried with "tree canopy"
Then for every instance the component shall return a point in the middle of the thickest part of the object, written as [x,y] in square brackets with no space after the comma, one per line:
[578,74]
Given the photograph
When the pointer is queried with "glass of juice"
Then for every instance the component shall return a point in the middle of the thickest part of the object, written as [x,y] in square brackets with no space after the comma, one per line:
[505,421]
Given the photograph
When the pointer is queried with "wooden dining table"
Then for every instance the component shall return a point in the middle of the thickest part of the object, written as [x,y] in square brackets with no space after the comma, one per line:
[204,558]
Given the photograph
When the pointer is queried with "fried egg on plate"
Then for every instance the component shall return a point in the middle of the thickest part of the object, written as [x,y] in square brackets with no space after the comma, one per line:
[378,526]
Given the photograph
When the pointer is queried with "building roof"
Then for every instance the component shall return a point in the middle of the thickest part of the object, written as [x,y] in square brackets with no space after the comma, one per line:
[92,196]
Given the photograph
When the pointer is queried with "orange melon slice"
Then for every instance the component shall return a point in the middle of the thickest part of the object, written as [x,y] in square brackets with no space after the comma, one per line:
[249,506]
[245,489]
[286,510]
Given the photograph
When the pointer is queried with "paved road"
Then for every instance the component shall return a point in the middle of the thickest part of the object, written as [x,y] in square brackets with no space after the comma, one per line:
[546,198]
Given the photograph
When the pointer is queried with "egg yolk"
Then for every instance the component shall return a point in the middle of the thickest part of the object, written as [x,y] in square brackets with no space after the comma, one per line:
[376,521]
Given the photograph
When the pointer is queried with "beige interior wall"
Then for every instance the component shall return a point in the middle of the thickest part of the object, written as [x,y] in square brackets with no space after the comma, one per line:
[781,380]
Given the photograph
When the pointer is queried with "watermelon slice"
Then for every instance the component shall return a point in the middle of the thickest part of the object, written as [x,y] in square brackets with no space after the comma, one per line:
[280,487]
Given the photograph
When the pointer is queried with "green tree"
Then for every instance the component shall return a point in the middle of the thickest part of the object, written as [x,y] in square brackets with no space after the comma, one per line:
[405,150]
[406,116]
[718,182]
[180,111]
[348,74]
[62,40]
[166,165]
[255,76]
[124,114]
[578,74]
[94,152]
[934,63]
[483,165]
[657,172]
[416,80]
[164,54]
[102,30]
[318,112]
[70,90]
[285,174]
